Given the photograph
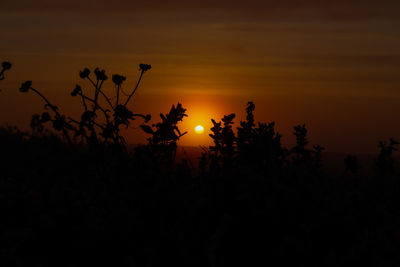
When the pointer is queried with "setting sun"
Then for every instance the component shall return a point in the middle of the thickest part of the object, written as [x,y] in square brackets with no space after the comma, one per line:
[199,129]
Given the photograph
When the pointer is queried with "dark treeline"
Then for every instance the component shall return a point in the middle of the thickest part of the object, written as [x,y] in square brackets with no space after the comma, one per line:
[72,194]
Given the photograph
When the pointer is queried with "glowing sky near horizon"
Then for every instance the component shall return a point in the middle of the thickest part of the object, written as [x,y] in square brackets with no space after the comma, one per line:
[334,66]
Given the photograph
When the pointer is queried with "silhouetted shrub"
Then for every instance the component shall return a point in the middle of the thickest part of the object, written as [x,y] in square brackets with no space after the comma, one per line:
[259,145]
[164,135]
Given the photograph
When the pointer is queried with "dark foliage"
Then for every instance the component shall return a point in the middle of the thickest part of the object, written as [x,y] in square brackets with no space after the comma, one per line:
[5,66]
[69,200]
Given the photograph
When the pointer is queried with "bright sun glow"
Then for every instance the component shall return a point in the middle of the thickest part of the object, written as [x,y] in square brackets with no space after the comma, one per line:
[199,129]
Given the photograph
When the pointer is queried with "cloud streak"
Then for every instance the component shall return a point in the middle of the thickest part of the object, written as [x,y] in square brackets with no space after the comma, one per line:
[256,9]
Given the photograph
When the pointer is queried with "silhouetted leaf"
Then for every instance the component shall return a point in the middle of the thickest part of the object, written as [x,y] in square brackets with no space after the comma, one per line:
[146,129]
[25,86]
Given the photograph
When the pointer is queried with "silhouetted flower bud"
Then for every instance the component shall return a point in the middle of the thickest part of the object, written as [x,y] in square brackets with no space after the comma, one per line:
[45,117]
[76,91]
[85,73]
[25,86]
[144,67]
[118,79]
[100,74]
[6,65]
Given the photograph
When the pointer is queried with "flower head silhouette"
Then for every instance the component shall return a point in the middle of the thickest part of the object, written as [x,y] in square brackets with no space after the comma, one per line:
[25,86]
[144,67]
[76,91]
[118,79]
[100,74]
[6,65]
[85,73]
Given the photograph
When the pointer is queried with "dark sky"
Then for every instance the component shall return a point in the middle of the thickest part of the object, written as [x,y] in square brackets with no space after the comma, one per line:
[334,66]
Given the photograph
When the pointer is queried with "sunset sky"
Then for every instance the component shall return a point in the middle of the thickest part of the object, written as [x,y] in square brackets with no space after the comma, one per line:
[334,66]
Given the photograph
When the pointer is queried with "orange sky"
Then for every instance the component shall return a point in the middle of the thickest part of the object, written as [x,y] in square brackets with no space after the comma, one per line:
[332,66]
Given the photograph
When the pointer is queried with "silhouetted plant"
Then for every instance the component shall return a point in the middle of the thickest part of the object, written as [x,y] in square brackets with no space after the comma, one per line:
[259,144]
[302,154]
[245,134]
[100,123]
[223,137]
[4,67]
[384,163]
[260,204]
[58,120]
[165,134]
[267,146]
[253,198]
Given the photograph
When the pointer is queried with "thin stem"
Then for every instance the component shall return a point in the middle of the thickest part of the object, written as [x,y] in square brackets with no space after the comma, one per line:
[47,101]
[96,96]
[80,126]
[98,90]
[117,102]
[106,98]
[95,106]
[104,95]
[95,92]
[92,82]
[84,102]
[98,106]
[55,111]
[101,92]
[137,85]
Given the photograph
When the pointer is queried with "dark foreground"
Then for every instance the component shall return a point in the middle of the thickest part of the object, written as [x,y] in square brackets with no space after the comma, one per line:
[74,206]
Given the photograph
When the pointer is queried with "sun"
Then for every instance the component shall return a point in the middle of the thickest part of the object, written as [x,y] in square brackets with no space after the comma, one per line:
[199,129]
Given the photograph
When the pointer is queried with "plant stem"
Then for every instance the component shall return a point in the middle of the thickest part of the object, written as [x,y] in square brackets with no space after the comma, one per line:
[117,102]
[98,106]
[101,92]
[104,95]
[134,90]
[55,111]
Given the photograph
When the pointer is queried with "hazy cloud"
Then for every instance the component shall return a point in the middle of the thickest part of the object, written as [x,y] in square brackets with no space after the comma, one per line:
[259,9]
